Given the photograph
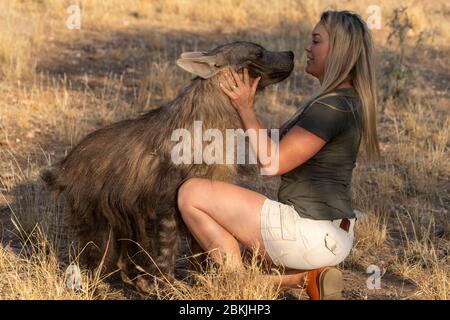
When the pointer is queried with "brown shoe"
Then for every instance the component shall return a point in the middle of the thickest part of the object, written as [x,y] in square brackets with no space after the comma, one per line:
[324,284]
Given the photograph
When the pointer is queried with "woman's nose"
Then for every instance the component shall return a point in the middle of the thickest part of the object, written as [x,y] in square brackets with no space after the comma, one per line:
[308,47]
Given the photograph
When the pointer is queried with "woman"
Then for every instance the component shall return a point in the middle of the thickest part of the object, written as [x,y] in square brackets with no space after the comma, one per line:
[310,228]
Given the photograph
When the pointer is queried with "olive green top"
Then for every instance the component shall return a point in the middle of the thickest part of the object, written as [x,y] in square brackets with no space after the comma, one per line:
[320,188]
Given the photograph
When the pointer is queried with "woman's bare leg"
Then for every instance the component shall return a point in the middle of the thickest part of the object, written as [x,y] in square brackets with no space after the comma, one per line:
[220,215]
[222,246]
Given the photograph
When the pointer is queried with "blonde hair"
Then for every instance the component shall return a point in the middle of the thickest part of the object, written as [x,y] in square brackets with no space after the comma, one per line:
[350,57]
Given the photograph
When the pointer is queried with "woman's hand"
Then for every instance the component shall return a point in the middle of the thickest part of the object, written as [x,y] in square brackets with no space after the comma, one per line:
[241,93]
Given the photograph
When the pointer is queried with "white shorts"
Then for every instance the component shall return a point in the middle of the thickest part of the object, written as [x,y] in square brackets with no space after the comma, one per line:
[300,243]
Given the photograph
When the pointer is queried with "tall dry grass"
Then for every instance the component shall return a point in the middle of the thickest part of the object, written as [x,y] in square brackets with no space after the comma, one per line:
[36,273]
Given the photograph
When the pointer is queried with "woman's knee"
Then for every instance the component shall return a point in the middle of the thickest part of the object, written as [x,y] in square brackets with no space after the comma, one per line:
[187,193]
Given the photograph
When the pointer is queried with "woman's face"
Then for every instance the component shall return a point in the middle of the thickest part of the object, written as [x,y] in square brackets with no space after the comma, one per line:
[317,51]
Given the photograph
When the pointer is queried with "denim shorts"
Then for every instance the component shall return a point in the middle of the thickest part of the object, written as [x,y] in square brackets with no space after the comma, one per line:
[300,243]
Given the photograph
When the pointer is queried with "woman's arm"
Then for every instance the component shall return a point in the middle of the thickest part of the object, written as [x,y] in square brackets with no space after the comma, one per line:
[296,147]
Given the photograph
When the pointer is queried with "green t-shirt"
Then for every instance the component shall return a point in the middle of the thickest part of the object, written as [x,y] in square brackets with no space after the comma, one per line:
[320,188]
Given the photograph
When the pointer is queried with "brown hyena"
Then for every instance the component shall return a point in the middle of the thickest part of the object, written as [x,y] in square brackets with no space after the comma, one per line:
[120,182]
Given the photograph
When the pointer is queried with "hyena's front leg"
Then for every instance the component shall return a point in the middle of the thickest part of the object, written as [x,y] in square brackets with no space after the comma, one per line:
[168,240]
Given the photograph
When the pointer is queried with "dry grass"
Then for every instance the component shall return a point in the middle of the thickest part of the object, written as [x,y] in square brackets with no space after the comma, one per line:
[214,282]
[36,273]
[58,84]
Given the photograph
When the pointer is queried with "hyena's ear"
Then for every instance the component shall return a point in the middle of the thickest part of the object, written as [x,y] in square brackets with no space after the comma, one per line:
[199,63]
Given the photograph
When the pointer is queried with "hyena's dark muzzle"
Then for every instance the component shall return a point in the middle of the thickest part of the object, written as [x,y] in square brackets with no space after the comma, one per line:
[272,66]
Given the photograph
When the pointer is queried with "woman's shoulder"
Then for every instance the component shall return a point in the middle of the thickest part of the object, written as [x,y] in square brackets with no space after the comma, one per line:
[340,99]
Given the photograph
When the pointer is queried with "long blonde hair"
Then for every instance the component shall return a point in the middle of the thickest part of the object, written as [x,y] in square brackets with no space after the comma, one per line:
[350,57]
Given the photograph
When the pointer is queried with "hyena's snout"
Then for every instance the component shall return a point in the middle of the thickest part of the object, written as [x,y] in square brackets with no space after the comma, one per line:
[273,67]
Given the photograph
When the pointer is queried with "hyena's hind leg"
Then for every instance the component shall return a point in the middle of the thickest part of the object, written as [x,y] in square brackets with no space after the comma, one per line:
[137,261]
[97,249]
[131,270]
